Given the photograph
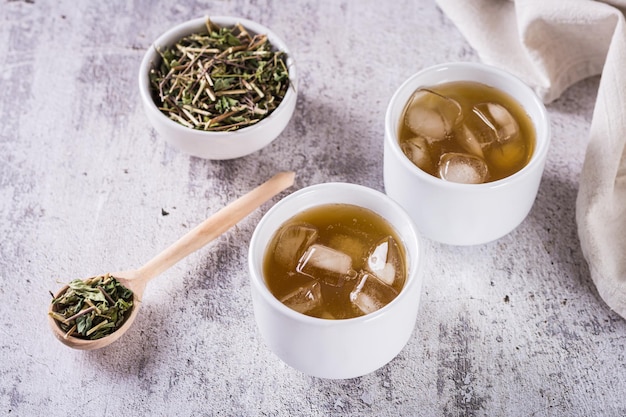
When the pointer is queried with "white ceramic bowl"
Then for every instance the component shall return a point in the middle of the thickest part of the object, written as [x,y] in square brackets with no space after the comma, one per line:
[464,214]
[216,145]
[336,348]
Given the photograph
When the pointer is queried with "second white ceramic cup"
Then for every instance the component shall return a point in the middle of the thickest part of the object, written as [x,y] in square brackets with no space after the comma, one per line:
[464,214]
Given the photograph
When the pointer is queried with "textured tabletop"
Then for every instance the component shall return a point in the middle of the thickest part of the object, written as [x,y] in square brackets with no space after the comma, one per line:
[514,327]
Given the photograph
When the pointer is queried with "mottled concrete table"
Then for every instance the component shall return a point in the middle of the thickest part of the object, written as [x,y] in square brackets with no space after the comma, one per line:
[514,327]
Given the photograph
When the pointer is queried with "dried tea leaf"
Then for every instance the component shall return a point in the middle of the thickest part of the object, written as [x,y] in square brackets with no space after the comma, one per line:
[93,308]
[191,82]
[82,289]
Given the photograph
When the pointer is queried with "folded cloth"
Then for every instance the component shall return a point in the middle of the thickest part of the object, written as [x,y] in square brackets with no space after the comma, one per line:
[551,44]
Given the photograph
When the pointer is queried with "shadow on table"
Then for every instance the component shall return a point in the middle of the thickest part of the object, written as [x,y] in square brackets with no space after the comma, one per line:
[138,354]
[553,217]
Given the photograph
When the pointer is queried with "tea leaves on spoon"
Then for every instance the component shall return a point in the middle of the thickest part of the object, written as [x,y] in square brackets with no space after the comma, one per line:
[93,308]
[220,80]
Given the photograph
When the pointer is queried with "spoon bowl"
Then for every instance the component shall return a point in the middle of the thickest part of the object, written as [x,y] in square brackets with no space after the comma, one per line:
[130,280]
[136,280]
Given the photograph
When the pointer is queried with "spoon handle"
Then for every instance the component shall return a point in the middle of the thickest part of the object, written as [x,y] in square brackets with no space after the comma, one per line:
[215,225]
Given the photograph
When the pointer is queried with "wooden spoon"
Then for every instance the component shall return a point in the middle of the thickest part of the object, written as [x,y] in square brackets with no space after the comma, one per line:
[136,280]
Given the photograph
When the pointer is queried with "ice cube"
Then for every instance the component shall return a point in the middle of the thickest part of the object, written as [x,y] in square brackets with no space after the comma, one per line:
[327,315]
[305,298]
[431,115]
[371,294]
[468,141]
[462,168]
[292,242]
[326,264]
[385,261]
[498,124]
[417,150]
[348,244]
[506,155]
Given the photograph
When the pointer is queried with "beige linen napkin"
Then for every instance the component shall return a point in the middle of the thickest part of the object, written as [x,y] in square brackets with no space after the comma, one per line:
[552,44]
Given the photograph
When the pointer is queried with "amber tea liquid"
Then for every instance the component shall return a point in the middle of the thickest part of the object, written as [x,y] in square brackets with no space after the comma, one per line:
[335,261]
[466,132]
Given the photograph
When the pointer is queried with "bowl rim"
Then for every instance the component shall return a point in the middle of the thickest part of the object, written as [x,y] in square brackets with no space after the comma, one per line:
[188,27]
[539,153]
[415,260]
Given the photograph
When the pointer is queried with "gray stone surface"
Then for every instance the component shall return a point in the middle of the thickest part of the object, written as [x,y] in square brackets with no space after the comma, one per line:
[514,327]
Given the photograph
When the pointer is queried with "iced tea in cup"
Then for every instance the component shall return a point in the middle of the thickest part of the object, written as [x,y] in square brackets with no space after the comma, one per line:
[298,328]
[465,148]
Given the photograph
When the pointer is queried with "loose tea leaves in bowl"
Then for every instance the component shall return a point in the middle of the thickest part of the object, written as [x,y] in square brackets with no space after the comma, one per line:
[93,308]
[221,80]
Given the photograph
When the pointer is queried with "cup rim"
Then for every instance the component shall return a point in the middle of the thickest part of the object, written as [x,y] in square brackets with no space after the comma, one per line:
[541,146]
[185,28]
[414,260]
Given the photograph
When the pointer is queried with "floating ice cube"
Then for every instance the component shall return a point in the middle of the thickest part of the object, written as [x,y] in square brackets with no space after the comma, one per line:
[352,246]
[326,264]
[416,149]
[509,154]
[327,315]
[498,124]
[371,294]
[432,115]
[462,168]
[468,141]
[385,261]
[304,299]
[292,242]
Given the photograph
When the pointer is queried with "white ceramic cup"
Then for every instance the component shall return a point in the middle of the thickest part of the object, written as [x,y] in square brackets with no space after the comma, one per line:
[464,214]
[336,348]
